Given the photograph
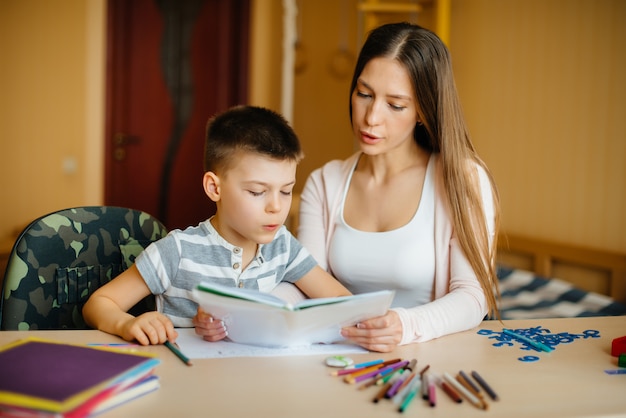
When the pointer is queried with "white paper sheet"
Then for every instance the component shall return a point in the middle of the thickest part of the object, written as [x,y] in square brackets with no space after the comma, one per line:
[195,347]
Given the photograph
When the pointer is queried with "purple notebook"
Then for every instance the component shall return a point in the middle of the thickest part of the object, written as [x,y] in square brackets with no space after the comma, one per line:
[54,376]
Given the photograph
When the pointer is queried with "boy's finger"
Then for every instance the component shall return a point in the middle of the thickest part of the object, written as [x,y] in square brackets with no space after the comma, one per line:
[172,334]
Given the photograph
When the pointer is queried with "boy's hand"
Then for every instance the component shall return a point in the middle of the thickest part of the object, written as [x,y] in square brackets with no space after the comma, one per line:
[211,329]
[149,328]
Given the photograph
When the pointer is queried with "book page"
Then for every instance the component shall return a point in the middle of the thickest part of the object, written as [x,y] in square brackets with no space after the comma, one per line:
[245,294]
[259,324]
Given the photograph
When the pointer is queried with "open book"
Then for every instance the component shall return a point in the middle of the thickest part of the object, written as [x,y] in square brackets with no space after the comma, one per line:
[257,318]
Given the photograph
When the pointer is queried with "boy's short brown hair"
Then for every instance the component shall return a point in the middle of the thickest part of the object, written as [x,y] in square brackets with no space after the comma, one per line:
[248,128]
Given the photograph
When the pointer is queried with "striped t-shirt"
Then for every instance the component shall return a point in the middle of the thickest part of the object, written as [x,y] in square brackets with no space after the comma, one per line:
[174,265]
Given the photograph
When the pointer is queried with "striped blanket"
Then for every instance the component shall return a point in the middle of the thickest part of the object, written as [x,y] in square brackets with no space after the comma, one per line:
[525,295]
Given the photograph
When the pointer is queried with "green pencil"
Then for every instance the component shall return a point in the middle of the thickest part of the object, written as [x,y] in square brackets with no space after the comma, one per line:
[178,353]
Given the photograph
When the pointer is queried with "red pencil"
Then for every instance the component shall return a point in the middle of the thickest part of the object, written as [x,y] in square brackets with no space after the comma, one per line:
[451,392]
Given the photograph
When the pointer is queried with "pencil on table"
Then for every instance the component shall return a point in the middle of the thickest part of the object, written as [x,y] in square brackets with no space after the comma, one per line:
[361,377]
[178,353]
[406,387]
[536,344]
[469,381]
[425,386]
[405,383]
[378,379]
[432,397]
[381,393]
[414,388]
[369,383]
[461,389]
[485,386]
[386,374]
[411,365]
[355,372]
[449,390]
[345,372]
[471,388]
[397,382]
[363,366]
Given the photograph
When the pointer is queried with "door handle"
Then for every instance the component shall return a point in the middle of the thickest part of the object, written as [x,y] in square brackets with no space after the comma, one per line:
[120,140]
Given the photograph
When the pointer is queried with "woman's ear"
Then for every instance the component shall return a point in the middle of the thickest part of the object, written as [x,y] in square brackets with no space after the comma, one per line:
[211,184]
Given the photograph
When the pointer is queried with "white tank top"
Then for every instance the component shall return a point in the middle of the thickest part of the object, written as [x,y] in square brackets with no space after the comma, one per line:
[402,259]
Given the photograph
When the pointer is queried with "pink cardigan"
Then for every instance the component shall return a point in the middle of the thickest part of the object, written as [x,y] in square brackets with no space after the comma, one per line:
[458,302]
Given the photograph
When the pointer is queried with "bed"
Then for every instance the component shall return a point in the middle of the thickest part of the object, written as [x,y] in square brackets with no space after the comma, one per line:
[543,279]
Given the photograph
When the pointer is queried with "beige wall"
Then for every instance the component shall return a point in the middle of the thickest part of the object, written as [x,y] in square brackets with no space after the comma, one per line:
[51,107]
[542,83]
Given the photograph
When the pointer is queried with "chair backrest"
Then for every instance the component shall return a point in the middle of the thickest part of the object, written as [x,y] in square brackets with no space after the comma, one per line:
[60,259]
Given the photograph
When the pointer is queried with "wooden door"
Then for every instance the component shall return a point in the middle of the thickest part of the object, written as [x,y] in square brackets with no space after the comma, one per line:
[170,66]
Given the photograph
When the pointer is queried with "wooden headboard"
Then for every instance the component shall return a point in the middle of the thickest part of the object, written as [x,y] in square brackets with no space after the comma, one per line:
[592,270]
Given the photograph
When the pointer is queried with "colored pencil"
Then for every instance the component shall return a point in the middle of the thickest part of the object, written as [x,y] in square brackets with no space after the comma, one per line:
[411,365]
[470,389]
[178,353]
[414,379]
[387,373]
[485,386]
[406,381]
[384,376]
[360,378]
[369,383]
[432,397]
[425,386]
[539,346]
[461,389]
[415,386]
[469,381]
[365,364]
[356,372]
[352,369]
[391,375]
[381,393]
[449,390]
[397,382]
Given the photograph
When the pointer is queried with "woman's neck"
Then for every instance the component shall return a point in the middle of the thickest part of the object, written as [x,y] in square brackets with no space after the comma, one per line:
[382,167]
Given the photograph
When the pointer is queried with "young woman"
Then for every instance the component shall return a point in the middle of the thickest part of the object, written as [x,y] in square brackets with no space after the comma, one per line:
[415,209]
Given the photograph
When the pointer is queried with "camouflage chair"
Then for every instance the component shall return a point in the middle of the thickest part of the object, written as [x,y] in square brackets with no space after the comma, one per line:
[63,257]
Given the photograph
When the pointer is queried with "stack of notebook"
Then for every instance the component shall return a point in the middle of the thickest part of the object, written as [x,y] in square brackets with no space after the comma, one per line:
[47,378]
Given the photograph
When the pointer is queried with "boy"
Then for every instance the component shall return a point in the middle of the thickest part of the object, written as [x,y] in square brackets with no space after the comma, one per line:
[250,163]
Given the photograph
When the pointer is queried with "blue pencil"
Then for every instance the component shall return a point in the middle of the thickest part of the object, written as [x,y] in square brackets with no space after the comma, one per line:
[365,364]
[527,340]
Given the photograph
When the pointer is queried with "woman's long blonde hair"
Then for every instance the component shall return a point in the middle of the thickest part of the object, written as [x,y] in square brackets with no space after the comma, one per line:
[443,131]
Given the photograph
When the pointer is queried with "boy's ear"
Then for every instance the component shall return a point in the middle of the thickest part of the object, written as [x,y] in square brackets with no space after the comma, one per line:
[211,184]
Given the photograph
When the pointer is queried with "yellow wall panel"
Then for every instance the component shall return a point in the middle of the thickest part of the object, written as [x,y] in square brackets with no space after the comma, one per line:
[542,82]
[543,85]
